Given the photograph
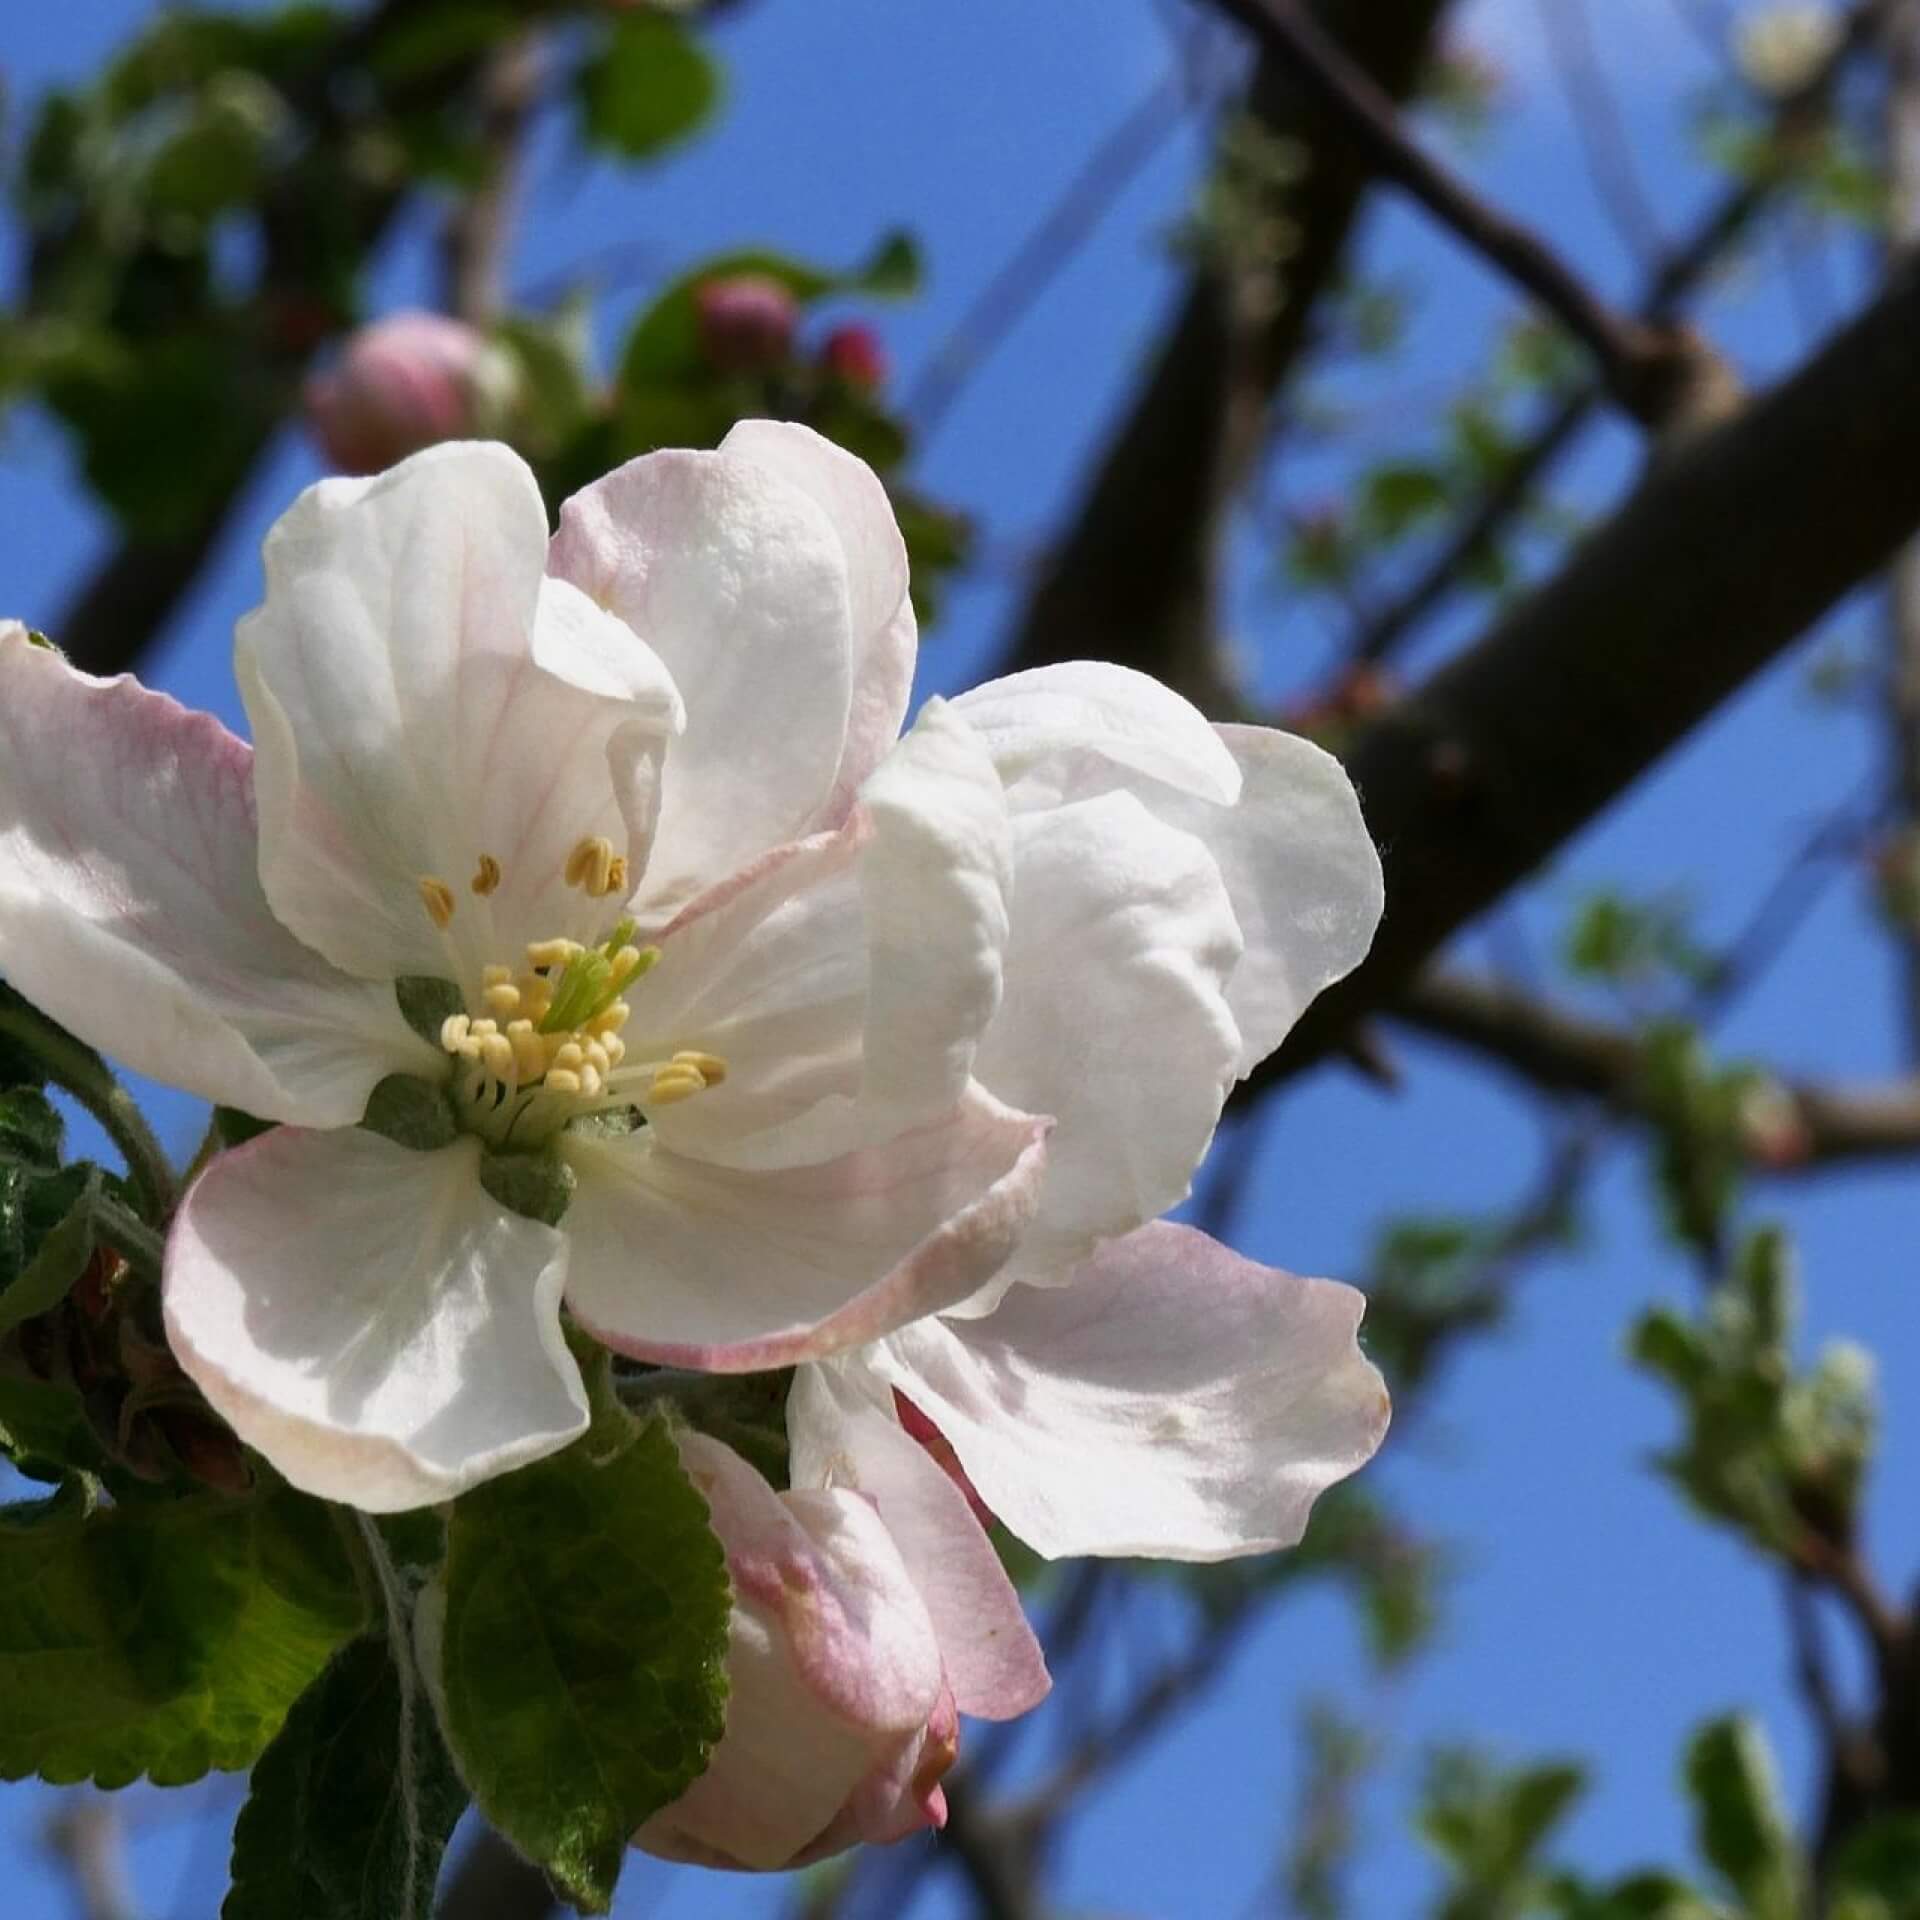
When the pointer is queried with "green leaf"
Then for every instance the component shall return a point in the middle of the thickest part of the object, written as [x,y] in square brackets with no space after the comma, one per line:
[62,1252]
[351,1807]
[648,88]
[31,1130]
[581,1647]
[1742,1827]
[45,1432]
[164,1639]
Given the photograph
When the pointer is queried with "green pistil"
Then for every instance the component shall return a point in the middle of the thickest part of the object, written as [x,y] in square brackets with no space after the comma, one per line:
[583,991]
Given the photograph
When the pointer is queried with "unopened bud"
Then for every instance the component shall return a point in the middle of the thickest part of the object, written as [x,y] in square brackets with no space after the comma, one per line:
[746,322]
[401,384]
[1772,1130]
[853,353]
[1784,48]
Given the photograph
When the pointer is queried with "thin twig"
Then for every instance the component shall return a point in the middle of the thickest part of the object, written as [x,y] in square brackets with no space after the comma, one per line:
[1046,251]
[1646,368]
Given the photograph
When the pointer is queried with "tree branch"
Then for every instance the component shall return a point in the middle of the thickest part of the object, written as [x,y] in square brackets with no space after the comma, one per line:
[1729,550]
[1647,368]
[1556,1050]
[1134,578]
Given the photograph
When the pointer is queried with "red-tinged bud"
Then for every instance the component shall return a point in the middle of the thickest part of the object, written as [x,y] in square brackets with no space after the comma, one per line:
[746,322]
[401,384]
[853,353]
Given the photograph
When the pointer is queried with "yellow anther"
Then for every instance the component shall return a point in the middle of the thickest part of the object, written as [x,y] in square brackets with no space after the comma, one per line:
[497,1051]
[437,897]
[570,1057]
[614,1048]
[453,1031]
[709,1066]
[613,1018]
[486,876]
[529,1056]
[590,1081]
[504,998]
[590,866]
[482,1028]
[551,953]
[673,1083]
[597,1056]
[626,963]
[495,976]
[616,875]
[561,1081]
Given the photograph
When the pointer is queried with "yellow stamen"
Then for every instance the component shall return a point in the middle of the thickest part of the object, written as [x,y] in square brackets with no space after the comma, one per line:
[615,1017]
[626,963]
[437,897]
[590,1081]
[482,1028]
[487,876]
[453,1031]
[709,1066]
[590,866]
[504,998]
[495,976]
[561,1081]
[616,875]
[497,1051]
[614,1048]
[674,1083]
[529,1056]
[570,1057]
[552,953]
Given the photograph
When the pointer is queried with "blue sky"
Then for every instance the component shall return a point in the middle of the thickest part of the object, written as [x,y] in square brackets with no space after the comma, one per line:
[1587,1613]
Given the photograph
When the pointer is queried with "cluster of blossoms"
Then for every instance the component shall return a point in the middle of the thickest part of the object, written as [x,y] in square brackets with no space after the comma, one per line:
[768,1037]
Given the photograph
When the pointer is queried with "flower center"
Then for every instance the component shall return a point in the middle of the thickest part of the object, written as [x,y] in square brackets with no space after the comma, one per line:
[547,1049]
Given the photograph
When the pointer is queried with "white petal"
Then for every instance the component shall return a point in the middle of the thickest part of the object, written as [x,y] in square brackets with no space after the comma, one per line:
[883,629]
[369,1319]
[691,1264]
[846,980]
[131,909]
[1115,1019]
[1303,875]
[737,579]
[1052,714]
[420,698]
[1175,1401]
[841,1422]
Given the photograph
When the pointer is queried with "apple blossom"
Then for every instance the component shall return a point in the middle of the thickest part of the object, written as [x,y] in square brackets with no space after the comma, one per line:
[458,778]
[762,1034]
[861,1628]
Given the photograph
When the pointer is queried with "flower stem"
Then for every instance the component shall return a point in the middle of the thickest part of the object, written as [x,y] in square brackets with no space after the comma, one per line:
[129,1236]
[74,1066]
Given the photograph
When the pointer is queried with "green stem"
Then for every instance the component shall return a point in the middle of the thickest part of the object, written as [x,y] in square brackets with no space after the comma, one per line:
[129,1236]
[74,1066]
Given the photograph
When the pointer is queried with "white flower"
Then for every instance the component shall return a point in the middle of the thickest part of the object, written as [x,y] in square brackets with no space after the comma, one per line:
[1124,1385]
[467,768]
[862,1626]
[642,801]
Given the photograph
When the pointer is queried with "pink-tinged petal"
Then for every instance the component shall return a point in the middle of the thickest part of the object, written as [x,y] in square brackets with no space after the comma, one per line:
[845,980]
[131,908]
[885,637]
[833,1671]
[738,581]
[421,701]
[1038,723]
[1175,1401]
[1303,875]
[369,1319]
[735,1271]
[844,1434]
[1115,1019]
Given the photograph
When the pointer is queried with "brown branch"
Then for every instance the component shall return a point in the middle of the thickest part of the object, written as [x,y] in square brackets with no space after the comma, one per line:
[1712,239]
[1134,579]
[1558,1051]
[1647,368]
[1729,551]
[88,1838]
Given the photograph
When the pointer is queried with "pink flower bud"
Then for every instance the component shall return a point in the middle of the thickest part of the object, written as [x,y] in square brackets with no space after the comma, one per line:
[401,384]
[746,322]
[853,353]
[840,1719]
